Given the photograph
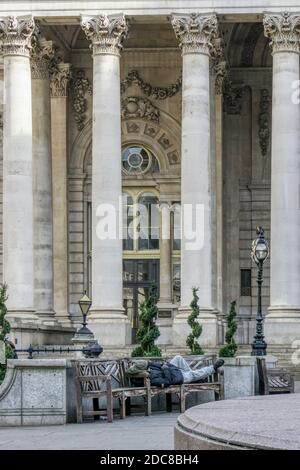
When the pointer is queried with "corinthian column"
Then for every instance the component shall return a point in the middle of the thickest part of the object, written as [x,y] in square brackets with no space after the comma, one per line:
[60,78]
[107,319]
[15,35]
[196,33]
[283,320]
[42,180]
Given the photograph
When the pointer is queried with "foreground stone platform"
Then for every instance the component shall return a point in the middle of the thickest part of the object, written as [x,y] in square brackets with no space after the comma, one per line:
[261,422]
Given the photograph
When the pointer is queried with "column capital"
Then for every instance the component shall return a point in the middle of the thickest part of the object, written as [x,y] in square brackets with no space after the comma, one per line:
[15,35]
[106,32]
[284,31]
[195,32]
[41,55]
[60,78]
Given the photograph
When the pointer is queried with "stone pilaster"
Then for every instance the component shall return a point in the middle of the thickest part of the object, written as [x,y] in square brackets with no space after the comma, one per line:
[60,78]
[15,36]
[41,55]
[283,319]
[196,34]
[165,304]
[107,319]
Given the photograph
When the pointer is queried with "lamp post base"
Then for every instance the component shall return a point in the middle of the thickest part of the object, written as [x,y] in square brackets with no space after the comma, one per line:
[259,348]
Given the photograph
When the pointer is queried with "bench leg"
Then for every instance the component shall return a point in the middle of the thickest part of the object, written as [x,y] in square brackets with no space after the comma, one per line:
[182,401]
[148,410]
[128,406]
[109,402]
[79,412]
[148,398]
[123,406]
[169,402]
[96,408]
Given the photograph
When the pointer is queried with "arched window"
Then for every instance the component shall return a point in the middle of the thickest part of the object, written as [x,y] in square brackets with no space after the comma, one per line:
[148,225]
[138,160]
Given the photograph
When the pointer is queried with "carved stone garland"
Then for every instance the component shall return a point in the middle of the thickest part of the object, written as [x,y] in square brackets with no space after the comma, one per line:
[233,94]
[264,119]
[158,93]
[80,87]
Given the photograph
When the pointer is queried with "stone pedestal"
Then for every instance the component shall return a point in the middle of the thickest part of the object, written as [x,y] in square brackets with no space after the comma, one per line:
[107,319]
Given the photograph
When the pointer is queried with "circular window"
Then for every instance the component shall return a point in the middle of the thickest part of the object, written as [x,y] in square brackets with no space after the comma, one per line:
[136,160]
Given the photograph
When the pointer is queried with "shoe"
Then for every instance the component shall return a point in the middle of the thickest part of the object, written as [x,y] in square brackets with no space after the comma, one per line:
[218,363]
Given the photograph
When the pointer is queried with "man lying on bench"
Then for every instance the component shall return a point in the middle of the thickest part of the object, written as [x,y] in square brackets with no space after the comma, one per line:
[174,372]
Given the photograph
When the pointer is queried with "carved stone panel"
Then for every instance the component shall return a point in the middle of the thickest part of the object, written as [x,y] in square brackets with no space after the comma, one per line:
[136,107]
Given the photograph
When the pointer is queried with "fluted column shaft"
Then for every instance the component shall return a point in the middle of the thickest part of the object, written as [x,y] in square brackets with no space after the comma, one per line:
[106,34]
[195,33]
[165,254]
[283,319]
[15,34]
[59,137]
[284,32]
[42,180]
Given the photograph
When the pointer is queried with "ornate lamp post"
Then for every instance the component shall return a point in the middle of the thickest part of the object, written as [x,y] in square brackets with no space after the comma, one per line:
[85,305]
[84,339]
[259,254]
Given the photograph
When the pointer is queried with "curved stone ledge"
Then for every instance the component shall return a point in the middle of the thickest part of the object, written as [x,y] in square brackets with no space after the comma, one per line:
[260,422]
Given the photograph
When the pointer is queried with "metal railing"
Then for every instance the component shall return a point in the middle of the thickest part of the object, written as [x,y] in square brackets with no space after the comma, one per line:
[92,350]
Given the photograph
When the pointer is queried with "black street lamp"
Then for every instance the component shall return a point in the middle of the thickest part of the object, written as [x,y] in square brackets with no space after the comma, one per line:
[85,305]
[259,254]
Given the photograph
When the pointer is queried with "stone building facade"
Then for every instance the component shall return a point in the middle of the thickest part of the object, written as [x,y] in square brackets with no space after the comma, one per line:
[165,104]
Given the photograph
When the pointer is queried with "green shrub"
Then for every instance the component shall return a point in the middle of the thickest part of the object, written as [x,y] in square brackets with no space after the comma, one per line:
[196,328]
[230,347]
[148,331]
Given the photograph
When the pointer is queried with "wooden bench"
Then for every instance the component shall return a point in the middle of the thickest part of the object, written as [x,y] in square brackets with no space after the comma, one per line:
[97,379]
[108,379]
[214,383]
[274,380]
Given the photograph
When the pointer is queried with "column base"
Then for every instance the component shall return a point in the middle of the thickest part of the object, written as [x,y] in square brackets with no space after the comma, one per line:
[63,319]
[282,325]
[110,326]
[207,318]
[25,334]
[164,321]
[17,316]
[47,317]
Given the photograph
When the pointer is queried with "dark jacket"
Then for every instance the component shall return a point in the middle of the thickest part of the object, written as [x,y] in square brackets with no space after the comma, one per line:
[164,375]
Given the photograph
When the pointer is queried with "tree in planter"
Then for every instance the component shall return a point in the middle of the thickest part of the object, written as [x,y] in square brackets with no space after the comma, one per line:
[148,331]
[230,347]
[196,328]
[4,329]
